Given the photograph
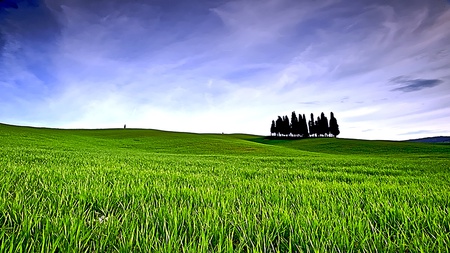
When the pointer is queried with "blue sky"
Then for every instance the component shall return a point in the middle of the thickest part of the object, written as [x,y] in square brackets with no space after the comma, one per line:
[219,66]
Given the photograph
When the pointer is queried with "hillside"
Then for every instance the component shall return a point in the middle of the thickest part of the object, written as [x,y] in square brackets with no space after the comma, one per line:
[359,147]
[139,190]
[437,139]
[136,140]
[157,141]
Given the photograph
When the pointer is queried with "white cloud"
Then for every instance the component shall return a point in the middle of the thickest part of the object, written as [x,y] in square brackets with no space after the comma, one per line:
[238,66]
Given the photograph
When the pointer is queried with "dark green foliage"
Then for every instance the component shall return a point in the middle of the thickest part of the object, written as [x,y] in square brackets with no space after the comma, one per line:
[279,126]
[322,125]
[334,127]
[304,127]
[273,128]
[282,126]
[298,127]
[286,126]
[312,126]
[295,126]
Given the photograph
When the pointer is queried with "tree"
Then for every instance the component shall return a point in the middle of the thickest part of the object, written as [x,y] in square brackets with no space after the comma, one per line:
[318,127]
[324,129]
[312,127]
[273,128]
[279,126]
[286,126]
[303,126]
[334,127]
[298,126]
[294,124]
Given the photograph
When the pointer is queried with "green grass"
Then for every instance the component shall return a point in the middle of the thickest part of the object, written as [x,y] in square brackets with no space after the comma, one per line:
[153,191]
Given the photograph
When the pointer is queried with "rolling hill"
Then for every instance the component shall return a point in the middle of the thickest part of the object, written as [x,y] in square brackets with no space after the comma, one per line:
[437,139]
[147,140]
[139,190]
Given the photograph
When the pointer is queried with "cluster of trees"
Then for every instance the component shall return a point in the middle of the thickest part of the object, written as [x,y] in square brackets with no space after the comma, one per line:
[298,127]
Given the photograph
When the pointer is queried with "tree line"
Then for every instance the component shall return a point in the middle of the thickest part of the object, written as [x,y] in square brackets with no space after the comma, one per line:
[298,127]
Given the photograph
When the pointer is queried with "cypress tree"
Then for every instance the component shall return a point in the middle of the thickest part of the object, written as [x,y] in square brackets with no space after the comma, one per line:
[279,126]
[294,124]
[273,128]
[300,127]
[304,127]
[286,126]
[334,127]
[312,127]
[324,125]
[318,127]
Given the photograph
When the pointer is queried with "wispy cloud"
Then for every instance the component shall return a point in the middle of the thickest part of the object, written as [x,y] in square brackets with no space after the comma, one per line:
[419,132]
[234,64]
[409,85]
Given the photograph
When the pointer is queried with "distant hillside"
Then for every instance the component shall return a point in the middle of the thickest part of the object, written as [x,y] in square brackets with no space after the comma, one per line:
[340,146]
[437,139]
[147,141]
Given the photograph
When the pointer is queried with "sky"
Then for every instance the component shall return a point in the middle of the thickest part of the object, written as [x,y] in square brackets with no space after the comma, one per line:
[213,66]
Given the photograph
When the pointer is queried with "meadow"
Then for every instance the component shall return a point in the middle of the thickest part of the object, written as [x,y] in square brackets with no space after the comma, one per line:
[135,190]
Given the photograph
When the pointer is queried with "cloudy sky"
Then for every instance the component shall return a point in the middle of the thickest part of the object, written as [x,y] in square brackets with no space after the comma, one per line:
[382,66]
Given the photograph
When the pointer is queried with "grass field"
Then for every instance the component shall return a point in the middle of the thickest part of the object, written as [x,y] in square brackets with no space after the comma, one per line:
[153,191]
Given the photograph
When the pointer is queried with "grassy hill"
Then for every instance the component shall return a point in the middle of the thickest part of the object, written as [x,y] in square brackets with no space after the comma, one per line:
[436,139]
[360,147]
[158,141]
[156,191]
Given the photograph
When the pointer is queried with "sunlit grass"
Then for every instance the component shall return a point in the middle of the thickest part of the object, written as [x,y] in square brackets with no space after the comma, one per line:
[151,191]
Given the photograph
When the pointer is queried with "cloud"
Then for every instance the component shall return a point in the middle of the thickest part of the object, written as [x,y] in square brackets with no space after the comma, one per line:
[410,85]
[309,103]
[252,22]
[420,132]
[82,63]
[27,35]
